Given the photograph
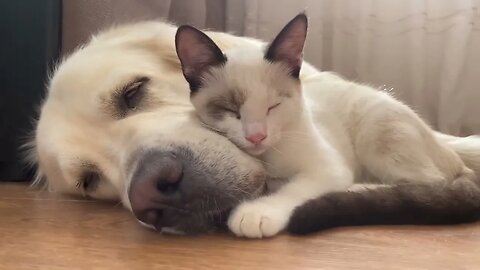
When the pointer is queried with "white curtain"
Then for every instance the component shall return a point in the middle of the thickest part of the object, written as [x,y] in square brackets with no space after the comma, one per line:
[428,51]
[82,18]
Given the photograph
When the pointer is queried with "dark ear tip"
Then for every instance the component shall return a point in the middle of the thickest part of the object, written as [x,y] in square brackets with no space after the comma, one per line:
[183,30]
[180,30]
[301,17]
[185,27]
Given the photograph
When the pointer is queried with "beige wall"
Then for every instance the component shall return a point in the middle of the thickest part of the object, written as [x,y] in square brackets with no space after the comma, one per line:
[82,18]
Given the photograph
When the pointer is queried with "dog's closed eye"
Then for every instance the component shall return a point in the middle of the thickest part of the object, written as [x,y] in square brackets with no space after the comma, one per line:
[88,181]
[133,93]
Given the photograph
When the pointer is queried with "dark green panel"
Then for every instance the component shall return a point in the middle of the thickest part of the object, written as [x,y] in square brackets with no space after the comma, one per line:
[30,43]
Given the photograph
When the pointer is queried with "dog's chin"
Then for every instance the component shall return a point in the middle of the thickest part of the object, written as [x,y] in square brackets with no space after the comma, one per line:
[200,223]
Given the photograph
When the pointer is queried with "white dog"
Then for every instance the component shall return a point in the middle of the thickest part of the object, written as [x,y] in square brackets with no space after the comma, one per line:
[117,124]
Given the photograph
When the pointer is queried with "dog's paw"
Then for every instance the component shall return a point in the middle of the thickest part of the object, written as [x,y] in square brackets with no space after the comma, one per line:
[257,219]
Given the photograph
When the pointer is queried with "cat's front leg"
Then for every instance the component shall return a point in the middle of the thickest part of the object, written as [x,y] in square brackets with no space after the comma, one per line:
[269,215]
[262,217]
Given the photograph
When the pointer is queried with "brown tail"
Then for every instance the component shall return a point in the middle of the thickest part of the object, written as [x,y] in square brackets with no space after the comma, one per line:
[456,202]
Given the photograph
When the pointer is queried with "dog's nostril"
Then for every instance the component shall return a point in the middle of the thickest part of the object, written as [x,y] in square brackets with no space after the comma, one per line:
[167,188]
[155,184]
[169,179]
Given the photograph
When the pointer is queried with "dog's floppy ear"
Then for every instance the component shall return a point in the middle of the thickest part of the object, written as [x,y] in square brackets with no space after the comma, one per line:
[287,47]
[197,54]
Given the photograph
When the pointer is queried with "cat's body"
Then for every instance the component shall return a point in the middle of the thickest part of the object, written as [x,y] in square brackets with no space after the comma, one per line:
[353,133]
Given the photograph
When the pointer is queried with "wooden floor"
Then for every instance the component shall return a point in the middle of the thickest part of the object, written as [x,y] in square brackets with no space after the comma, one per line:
[41,231]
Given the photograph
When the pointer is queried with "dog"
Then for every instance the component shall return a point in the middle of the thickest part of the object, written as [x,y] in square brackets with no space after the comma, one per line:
[117,124]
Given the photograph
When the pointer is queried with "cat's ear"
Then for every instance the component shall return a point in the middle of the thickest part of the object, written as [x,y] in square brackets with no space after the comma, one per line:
[287,47]
[197,53]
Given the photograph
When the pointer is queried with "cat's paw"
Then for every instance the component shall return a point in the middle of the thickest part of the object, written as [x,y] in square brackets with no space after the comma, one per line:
[258,219]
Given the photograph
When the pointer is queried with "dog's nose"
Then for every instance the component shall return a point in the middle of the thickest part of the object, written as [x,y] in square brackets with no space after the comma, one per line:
[155,187]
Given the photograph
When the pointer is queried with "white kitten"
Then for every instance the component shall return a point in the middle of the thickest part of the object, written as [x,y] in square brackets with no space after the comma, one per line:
[256,100]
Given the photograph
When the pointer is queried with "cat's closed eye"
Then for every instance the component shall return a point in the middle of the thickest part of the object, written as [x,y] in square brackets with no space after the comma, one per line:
[232,112]
[274,106]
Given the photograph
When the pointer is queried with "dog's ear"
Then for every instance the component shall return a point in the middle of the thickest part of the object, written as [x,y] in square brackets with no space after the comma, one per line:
[287,47]
[197,54]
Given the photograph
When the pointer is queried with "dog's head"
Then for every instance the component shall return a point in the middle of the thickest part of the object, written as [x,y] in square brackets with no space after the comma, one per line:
[117,124]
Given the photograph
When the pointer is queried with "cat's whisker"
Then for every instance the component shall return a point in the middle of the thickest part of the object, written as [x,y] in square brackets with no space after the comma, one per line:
[212,128]
[296,132]
[288,134]
[264,162]
[297,139]
[294,136]
[234,137]
[275,149]
[239,189]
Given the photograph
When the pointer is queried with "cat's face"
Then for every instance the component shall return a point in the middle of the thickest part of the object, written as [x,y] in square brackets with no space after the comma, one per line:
[249,95]
[250,100]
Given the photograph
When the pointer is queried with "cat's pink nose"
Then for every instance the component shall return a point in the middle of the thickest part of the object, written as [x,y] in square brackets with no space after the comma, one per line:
[256,138]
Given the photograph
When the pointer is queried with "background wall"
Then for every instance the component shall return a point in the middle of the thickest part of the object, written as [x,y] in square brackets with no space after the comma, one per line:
[30,44]
[428,51]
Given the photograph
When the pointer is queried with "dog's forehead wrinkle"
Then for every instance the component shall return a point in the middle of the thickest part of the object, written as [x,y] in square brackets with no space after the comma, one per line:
[87,165]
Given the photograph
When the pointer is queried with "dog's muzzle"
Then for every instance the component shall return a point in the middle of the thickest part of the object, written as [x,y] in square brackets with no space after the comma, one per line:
[155,188]
[173,191]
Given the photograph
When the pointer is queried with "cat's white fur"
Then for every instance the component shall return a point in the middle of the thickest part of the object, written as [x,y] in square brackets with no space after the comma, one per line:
[360,132]
[294,147]
[320,147]
[249,74]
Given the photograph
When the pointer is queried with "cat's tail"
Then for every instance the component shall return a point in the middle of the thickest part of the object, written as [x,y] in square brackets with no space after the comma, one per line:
[433,203]
[468,148]
[408,203]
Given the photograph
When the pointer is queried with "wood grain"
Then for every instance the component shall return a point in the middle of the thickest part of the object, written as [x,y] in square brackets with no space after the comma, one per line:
[39,230]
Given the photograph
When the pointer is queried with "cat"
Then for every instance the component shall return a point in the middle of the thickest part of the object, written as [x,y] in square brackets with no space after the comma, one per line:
[255,99]
[352,133]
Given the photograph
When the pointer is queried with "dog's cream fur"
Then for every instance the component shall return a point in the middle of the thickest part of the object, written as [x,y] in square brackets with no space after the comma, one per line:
[379,139]
[76,127]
